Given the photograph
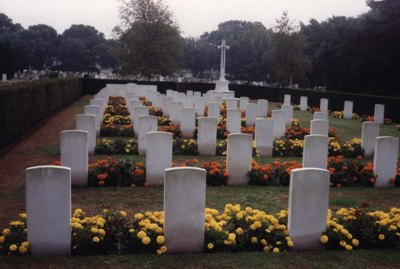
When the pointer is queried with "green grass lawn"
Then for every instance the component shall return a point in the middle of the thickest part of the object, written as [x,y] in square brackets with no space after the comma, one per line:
[270,199]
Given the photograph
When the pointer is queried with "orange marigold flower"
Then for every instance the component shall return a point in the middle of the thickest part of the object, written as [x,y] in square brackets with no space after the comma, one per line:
[139,172]
[101,183]
[56,163]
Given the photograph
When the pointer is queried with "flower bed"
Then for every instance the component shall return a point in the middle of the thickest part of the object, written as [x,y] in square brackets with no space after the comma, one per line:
[234,229]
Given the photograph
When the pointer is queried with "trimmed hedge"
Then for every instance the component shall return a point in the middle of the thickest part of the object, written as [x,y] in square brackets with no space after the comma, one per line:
[23,105]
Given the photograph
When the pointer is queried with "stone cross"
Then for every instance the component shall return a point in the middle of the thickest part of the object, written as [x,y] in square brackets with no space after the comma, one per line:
[223,49]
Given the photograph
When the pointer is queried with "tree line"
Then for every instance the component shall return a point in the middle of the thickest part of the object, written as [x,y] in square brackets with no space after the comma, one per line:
[341,53]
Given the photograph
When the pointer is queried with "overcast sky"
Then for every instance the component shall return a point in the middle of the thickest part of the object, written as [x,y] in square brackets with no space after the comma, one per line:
[194,16]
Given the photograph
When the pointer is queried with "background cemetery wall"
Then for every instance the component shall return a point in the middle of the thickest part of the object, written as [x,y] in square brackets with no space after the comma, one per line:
[24,105]
[363,104]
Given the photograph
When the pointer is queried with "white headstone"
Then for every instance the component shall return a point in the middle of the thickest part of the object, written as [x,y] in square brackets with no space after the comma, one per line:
[379,113]
[48,205]
[135,103]
[321,115]
[158,156]
[74,153]
[319,127]
[188,101]
[264,136]
[184,206]
[165,105]
[262,108]
[308,207]
[207,136]
[233,120]
[239,156]
[145,125]
[348,109]
[199,105]
[4,77]
[95,110]
[279,120]
[214,110]
[98,102]
[243,101]
[370,131]
[188,122]
[288,109]
[138,111]
[303,103]
[87,123]
[385,159]
[315,151]
[287,99]
[189,93]
[197,94]
[251,114]
[175,112]
[232,103]
[323,106]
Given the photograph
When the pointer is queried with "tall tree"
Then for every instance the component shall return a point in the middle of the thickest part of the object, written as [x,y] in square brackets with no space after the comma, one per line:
[149,39]
[286,56]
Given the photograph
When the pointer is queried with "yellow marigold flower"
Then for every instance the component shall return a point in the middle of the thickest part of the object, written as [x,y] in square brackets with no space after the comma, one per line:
[94,230]
[146,240]
[232,236]
[131,230]
[6,231]
[141,234]
[267,249]
[13,247]
[290,243]
[275,250]
[264,242]
[254,240]
[258,224]
[355,242]
[208,217]
[164,249]
[160,239]
[23,215]
[239,231]
[96,239]
[218,228]
[2,239]
[122,213]
[22,249]
[342,243]
[101,232]
[210,245]
[159,230]
[348,247]
[239,215]
[138,216]
[324,239]
[381,237]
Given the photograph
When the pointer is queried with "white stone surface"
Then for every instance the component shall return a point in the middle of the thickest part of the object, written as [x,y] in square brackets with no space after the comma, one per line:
[207,136]
[264,136]
[48,205]
[251,114]
[239,156]
[319,127]
[197,94]
[321,115]
[315,151]
[370,131]
[74,153]
[308,207]
[199,106]
[287,99]
[188,122]
[175,112]
[214,110]
[184,206]
[303,103]
[138,111]
[262,108]
[87,123]
[188,103]
[379,113]
[145,125]
[243,101]
[95,110]
[98,102]
[4,77]
[348,109]
[233,120]
[158,156]
[288,109]
[323,105]
[385,159]
[134,103]
[279,120]
[232,103]
[165,105]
